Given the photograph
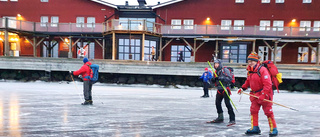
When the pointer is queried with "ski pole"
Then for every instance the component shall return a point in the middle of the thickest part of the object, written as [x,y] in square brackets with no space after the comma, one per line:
[270,101]
[75,86]
[223,86]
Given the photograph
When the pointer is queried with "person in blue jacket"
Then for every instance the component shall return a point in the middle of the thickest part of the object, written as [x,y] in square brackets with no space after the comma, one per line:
[206,78]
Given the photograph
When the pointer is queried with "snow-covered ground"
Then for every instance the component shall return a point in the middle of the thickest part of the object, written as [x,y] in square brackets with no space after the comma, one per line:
[53,109]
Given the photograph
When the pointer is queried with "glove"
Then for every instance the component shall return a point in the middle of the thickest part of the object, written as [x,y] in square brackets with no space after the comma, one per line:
[263,96]
[239,91]
[71,73]
[80,76]
[221,79]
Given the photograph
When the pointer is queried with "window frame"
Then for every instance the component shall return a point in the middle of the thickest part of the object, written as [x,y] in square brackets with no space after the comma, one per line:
[302,52]
[267,25]
[227,25]
[280,28]
[239,1]
[80,23]
[238,27]
[44,0]
[187,25]
[42,23]
[316,27]
[308,25]
[54,23]
[175,24]
[306,1]
[280,1]
[265,1]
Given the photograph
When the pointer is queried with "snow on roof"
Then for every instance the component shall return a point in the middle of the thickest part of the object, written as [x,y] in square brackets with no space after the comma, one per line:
[166,3]
[105,3]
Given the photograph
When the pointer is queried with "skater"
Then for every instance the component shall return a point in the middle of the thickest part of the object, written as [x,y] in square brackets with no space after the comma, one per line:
[153,54]
[206,78]
[84,71]
[261,86]
[180,58]
[223,75]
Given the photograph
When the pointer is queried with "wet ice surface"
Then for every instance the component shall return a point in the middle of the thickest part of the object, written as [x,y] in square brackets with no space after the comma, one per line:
[53,109]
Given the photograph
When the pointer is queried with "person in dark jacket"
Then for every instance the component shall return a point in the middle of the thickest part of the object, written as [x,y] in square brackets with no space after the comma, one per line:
[223,75]
[206,78]
[180,57]
[85,71]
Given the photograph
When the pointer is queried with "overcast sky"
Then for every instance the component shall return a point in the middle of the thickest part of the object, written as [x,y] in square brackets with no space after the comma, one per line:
[135,2]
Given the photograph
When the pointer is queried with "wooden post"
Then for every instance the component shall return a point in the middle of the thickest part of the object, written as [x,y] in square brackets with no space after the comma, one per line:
[70,48]
[217,48]
[103,48]
[275,52]
[34,47]
[6,38]
[254,46]
[160,43]
[113,46]
[318,54]
[194,51]
[142,46]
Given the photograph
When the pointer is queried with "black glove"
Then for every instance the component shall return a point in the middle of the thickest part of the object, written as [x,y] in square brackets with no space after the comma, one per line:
[221,79]
[71,73]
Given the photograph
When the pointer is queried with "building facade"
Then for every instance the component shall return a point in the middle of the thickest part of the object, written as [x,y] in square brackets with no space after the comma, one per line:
[178,30]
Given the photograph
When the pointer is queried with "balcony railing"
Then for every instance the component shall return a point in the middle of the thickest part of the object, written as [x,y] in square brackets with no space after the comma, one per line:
[133,25]
[143,25]
[241,30]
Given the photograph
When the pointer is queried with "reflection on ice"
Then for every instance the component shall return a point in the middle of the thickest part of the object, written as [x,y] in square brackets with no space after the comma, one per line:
[14,126]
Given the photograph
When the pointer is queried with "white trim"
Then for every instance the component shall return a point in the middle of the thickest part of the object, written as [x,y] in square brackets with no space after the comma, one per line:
[166,3]
[105,3]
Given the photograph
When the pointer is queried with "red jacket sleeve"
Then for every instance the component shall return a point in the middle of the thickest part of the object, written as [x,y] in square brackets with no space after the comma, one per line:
[81,71]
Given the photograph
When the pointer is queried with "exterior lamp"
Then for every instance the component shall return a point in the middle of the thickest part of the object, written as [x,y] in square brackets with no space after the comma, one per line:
[19,15]
[293,20]
[208,19]
[66,40]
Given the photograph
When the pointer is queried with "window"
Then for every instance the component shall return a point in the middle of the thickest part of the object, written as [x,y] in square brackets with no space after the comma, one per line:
[264,24]
[303,54]
[304,25]
[279,54]
[13,0]
[80,22]
[279,1]
[316,25]
[129,49]
[44,0]
[313,55]
[225,24]
[265,1]
[44,21]
[91,22]
[148,44]
[278,25]
[188,24]
[52,51]
[239,1]
[263,53]
[180,53]
[238,23]
[234,53]
[306,1]
[3,0]
[54,21]
[176,24]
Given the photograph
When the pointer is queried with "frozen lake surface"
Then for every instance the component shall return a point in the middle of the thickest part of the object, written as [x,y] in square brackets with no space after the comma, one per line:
[53,109]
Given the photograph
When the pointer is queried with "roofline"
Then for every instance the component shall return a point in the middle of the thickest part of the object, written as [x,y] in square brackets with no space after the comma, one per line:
[105,3]
[166,3]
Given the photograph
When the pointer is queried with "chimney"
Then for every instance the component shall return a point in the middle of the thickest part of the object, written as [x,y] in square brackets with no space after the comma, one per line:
[127,3]
[158,2]
[142,3]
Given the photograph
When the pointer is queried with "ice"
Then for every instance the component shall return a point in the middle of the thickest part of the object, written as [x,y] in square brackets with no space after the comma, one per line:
[53,109]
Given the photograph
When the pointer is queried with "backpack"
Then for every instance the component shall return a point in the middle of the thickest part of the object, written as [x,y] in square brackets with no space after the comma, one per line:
[276,77]
[233,81]
[94,73]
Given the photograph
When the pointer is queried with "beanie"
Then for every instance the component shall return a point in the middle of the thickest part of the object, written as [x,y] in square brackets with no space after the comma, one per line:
[85,60]
[206,69]
[253,56]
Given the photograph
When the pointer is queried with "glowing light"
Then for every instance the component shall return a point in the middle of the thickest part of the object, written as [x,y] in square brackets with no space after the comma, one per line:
[1,39]
[66,40]
[293,20]
[208,19]
[19,15]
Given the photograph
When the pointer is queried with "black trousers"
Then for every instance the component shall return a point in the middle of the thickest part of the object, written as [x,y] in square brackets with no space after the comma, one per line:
[87,87]
[205,88]
[219,97]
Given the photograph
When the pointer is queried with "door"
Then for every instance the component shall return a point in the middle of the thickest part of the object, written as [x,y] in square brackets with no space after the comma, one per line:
[263,52]
[234,53]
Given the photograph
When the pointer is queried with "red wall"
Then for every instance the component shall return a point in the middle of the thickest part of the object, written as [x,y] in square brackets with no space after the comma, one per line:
[252,11]
[67,10]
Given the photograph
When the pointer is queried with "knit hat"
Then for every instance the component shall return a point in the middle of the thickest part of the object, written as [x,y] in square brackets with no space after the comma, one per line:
[253,56]
[85,60]
[206,69]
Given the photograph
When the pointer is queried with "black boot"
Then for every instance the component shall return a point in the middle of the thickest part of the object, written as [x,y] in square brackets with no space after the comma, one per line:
[219,119]
[87,102]
[90,102]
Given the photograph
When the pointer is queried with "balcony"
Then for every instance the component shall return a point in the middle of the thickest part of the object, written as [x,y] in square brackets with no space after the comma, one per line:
[133,25]
[307,32]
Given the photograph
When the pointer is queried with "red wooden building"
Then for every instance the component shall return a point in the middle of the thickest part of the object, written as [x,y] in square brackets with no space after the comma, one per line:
[228,29]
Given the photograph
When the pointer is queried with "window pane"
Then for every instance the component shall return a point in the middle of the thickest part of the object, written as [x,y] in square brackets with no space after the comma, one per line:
[303,54]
